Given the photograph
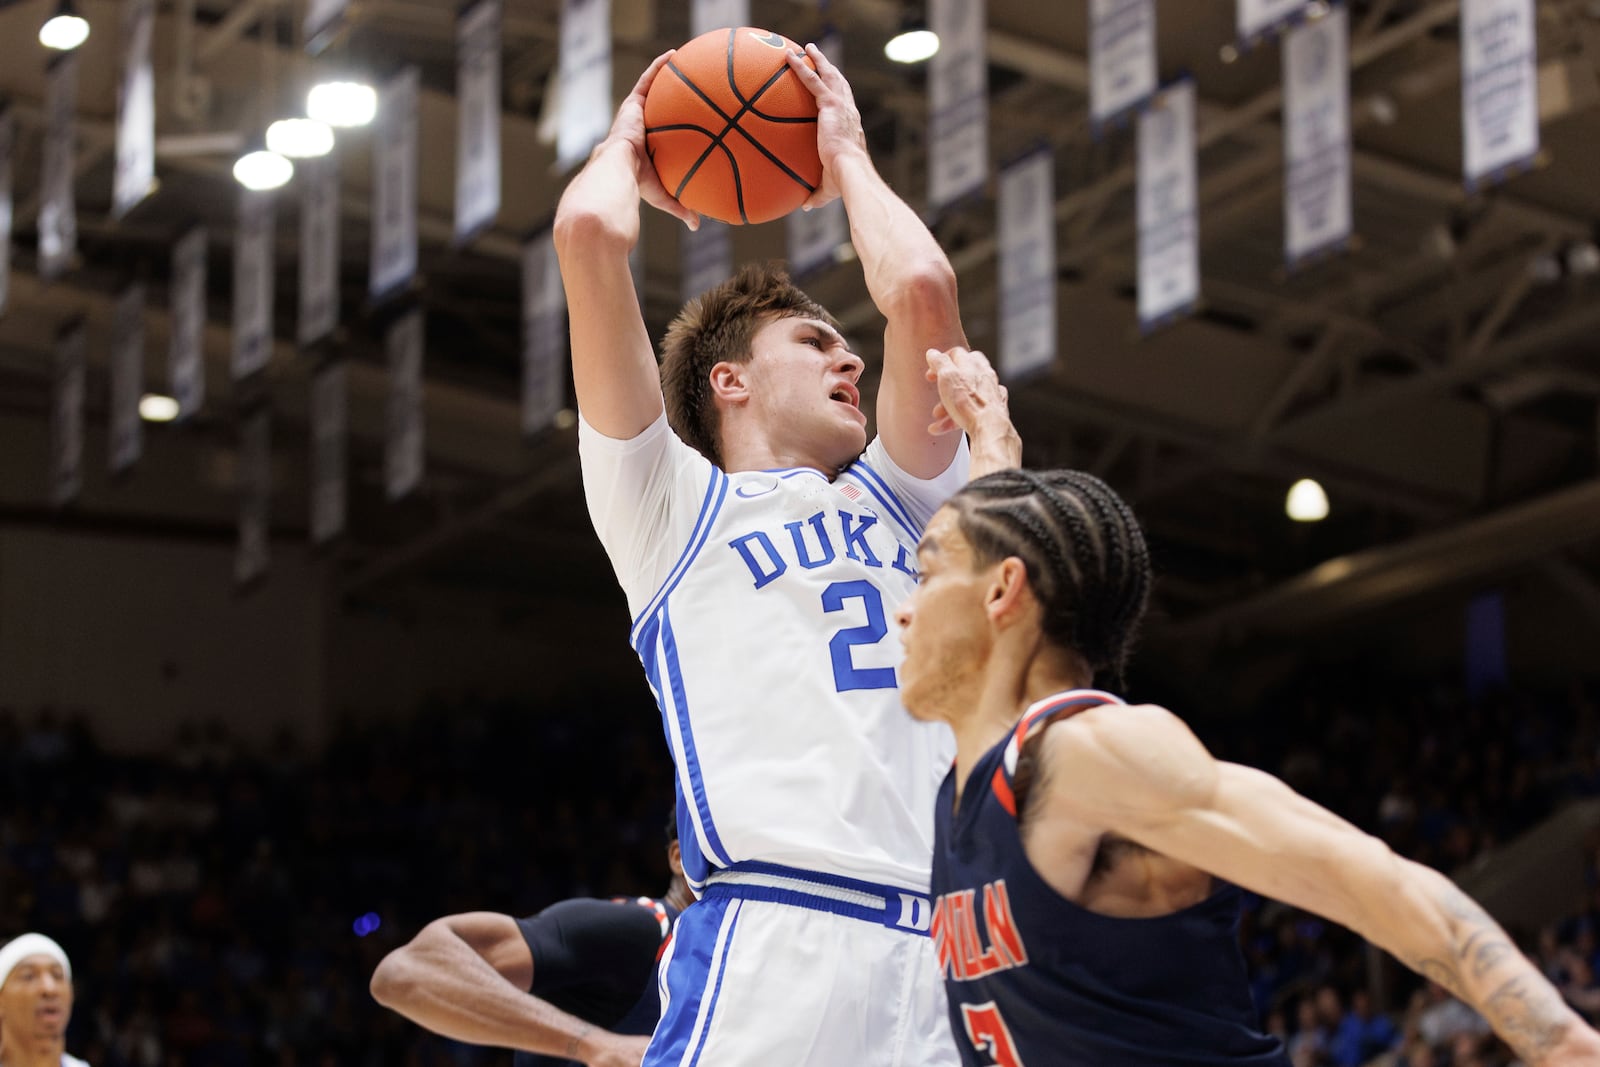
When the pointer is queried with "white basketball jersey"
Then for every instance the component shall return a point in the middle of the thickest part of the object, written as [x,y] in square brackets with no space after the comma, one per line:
[763,607]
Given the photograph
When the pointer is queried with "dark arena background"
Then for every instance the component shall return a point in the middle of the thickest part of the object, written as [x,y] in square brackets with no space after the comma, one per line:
[336,651]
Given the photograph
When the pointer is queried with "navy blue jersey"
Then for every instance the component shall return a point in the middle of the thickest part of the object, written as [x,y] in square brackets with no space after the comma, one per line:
[1034,979]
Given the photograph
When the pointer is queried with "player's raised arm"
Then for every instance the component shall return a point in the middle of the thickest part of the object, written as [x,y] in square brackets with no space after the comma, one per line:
[596,226]
[1138,772]
[908,276]
[467,977]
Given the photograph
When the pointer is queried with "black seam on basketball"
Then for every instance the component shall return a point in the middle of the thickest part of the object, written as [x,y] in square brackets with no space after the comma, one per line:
[738,185]
[696,90]
[733,39]
[733,124]
[780,118]
[676,126]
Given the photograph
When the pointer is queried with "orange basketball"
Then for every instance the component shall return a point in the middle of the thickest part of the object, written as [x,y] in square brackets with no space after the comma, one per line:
[732,132]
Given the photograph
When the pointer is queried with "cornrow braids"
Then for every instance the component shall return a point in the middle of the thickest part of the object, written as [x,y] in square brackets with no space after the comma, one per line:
[1083,549]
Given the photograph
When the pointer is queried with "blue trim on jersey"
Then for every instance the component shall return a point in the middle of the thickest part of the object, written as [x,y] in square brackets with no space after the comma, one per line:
[691,759]
[716,990]
[716,486]
[891,913]
[693,972]
[873,483]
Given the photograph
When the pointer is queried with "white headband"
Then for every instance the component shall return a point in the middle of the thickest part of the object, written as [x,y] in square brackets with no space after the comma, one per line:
[15,951]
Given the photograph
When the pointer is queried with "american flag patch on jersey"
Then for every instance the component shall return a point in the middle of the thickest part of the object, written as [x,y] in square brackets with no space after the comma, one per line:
[849,490]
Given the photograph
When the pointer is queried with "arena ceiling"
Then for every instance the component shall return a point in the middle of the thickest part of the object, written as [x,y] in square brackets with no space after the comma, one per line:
[1441,378]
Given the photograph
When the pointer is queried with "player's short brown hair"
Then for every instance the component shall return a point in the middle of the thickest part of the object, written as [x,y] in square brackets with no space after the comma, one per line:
[717,327]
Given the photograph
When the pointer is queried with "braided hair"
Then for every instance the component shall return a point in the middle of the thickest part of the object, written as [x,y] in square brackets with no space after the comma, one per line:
[1084,552]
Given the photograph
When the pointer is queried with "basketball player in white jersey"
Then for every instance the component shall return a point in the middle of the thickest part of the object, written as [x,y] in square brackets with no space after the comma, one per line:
[35,1003]
[763,545]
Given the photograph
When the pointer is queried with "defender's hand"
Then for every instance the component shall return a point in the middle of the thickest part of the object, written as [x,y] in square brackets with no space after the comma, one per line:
[628,127]
[614,1050]
[838,121]
[970,394]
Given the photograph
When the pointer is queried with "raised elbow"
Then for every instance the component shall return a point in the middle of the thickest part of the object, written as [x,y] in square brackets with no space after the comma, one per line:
[393,982]
[578,227]
[927,295]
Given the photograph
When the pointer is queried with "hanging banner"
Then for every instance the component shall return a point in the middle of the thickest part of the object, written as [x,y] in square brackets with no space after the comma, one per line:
[708,15]
[707,255]
[402,453]
[58,218]
[958,102]
[1122,57]
[544,335]
[8,134]
[328,420]
[126,440]
[584,93]
[252,284]
[815,237]
[1027,238]
[319,249]
[1499,88]
[394,179]
[255,497]
[1169,230]
[478,123]
[1316,137]
[186,365]
[136,110]
[1258,18]
[323,18]
[66,415]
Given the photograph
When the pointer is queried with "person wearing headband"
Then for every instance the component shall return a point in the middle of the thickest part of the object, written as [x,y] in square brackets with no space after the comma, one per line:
[35,1003]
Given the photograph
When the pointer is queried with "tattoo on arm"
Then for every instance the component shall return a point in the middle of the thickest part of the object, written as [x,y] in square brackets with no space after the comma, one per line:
[1525,1010]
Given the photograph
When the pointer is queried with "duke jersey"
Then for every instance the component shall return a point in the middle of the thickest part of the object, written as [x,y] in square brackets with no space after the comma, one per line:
[762,604]
[1033,978]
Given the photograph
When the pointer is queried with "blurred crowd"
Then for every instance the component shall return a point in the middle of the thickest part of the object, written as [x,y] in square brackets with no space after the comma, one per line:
[225,906]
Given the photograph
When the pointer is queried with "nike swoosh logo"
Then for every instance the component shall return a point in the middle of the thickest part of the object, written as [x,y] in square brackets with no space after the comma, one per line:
[759,492]
[771,40]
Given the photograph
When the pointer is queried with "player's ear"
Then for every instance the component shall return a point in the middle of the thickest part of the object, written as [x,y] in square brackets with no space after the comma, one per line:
[1008,595]
[675,859]
[730,382]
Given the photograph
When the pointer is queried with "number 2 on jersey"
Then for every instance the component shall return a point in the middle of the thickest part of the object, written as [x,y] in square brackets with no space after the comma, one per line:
[988,1033]
[846,675]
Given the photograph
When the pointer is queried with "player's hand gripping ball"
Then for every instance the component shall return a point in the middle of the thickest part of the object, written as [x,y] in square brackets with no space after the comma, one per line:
[731,130]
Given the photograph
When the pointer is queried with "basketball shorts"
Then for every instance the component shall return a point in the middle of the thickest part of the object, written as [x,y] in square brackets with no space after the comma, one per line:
[777,967]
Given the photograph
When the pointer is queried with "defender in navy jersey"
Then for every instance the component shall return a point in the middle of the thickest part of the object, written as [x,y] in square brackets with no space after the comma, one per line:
[575,983]
[1081,916]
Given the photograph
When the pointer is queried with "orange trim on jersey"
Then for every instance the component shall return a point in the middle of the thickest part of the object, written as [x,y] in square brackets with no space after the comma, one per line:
[662,951]
[1002,791]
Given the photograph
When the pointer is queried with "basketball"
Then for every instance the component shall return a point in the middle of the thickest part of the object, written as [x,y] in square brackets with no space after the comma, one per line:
[731,130]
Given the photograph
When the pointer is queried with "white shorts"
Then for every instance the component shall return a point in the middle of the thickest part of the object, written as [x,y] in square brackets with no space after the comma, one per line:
[777,967]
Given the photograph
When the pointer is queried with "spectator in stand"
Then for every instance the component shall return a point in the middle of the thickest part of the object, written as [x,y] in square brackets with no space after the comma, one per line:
[35,1003]
[1440,1018]
[1308,1046]
[1363,1033]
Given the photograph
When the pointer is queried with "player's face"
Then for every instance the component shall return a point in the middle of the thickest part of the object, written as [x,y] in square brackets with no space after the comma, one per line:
[36,1001]
[943,626]
[804,386]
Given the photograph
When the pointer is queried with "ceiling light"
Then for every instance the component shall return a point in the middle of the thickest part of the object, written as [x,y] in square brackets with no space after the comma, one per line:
[1228,53]
[1307,502]
[153,407]
[262,169]
[300,138]
[65,30]
[342,103]
[912,44]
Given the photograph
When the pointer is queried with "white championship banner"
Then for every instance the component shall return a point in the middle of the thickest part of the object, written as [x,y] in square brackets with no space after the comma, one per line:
[706,257]
[584,91]
[1169,229]
[66,415]
[544,335]
[58,219]
[1499,88]
[958,102]
[403,438]
[8,134]
[125,441]
[1122,57]
[815,237]
[252,284]
[1316,137]
[478,119]
[394,201]
[328,421]
[1258,18]
[322,22]
[186,367]
[319,248]
[136,110]
[708,15]
[255,497]
[1027,239]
